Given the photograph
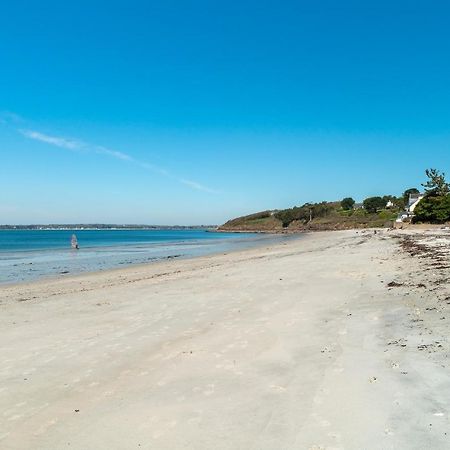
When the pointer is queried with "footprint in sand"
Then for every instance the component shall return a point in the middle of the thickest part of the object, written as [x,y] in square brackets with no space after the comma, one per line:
[278,388]
[210,389]
[14,417]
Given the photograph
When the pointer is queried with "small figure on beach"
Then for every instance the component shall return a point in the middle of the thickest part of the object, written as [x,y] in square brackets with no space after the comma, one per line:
[74,242]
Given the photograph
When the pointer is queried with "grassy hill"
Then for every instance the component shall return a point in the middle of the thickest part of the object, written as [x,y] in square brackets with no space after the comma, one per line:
[433,208]
[319,216]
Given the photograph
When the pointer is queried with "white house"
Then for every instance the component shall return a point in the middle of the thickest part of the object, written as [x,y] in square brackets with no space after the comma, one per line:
[413,201]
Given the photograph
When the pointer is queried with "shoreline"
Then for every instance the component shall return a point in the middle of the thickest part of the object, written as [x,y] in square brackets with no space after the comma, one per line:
[336,340]
[135,270]
[93,259]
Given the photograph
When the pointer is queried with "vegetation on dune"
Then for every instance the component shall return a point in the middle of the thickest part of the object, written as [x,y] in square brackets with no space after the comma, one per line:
[318,216]
[261,221]
[376,211]
[259,216]
[305,213]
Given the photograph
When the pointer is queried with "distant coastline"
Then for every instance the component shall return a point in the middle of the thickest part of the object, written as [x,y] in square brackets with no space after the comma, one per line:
[101,226]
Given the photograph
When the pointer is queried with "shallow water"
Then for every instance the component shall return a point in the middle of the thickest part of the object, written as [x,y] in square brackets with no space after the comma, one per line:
[27,255]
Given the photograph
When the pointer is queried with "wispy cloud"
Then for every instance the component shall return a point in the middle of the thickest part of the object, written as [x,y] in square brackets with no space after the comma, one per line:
[79,145]
[113,153]
[70,144]
[154,168]
[198,186]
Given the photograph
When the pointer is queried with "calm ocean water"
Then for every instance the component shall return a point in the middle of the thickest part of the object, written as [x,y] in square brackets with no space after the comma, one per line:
[31,254]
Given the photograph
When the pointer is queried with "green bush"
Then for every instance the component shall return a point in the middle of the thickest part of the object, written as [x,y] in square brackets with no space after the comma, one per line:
[387,214]
[360,212]
[305,212]
[286,216]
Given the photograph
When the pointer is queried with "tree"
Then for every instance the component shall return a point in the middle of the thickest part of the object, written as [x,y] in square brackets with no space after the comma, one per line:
[373,204]
[407,193]
[347,203]
[433,209]
[436,184]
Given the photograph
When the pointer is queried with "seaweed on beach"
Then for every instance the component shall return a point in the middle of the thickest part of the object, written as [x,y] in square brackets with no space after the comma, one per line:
[414,247]
[394,284]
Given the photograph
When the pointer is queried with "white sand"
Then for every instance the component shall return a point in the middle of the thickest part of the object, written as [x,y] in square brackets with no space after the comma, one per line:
[297,346]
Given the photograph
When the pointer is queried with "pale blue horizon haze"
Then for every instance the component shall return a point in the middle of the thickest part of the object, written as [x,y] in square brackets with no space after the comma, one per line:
[194,112]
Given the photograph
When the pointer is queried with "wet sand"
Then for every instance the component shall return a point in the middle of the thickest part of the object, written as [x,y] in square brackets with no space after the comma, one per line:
[338,340]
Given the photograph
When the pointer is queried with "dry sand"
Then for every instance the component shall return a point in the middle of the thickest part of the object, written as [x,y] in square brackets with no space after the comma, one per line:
[297,346]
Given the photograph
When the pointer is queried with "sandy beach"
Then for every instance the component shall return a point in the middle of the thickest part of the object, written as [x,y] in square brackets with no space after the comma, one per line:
[336,340]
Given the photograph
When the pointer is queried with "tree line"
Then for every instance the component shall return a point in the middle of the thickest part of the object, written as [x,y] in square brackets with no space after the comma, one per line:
[434,207]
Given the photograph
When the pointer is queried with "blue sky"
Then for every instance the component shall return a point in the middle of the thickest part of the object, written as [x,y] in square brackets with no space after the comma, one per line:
[193,112]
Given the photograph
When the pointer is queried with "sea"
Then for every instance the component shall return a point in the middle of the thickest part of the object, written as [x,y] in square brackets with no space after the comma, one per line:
[27,255]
